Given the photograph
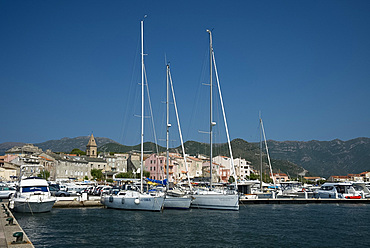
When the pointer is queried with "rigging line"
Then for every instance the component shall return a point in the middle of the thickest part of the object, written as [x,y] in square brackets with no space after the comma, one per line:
[151,111]
[194,124]
[162,122]
[124,119]
[179,127]
[267,152]
[225,122]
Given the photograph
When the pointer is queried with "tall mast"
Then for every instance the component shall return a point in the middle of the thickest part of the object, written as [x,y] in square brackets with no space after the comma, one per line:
[168,130]
[211,123]
[268,154]
[260,151]
[142,106]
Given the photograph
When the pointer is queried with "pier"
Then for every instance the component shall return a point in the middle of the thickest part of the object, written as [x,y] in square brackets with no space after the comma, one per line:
[78,202]
[11,234]
[304,201]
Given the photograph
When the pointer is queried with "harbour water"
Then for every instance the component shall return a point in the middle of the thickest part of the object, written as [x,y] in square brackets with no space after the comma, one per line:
[316,225]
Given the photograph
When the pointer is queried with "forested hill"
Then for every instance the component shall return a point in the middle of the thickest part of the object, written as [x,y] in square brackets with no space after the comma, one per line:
[325,158]
[321,158]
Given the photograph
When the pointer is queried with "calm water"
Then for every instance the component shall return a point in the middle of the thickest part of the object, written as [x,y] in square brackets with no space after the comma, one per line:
[326,225]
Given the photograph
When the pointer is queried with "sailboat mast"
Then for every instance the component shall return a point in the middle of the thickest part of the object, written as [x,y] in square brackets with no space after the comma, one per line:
[142,106]
[210,115]
[268,154]
[260,152]
[168,131]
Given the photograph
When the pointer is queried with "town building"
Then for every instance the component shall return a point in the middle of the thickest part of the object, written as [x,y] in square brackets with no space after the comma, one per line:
[27,149]
[280,177]
[92,148]
[70,167]
[155,165]
[243,168]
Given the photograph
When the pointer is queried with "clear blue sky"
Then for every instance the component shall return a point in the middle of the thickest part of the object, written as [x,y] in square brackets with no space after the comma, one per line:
[69,68]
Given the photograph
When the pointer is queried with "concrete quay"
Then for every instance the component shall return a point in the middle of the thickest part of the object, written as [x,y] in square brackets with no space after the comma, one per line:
[304,201]
[77,202]
[9,231]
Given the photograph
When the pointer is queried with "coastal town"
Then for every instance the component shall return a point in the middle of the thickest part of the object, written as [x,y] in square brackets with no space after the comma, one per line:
[63,167]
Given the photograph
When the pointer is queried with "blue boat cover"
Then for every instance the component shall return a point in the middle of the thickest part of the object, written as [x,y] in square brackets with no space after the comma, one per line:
[164,182]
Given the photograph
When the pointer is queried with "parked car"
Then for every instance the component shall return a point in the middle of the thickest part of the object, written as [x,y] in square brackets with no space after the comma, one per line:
[97,190]
[88,190]
[6,192]
[58,193]
[105,190]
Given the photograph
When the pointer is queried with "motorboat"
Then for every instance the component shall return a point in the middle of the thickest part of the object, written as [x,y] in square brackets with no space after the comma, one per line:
[32,196]
[338,190]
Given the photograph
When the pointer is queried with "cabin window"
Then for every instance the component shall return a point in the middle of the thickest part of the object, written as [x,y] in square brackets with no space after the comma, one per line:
[327,187]
[35,189]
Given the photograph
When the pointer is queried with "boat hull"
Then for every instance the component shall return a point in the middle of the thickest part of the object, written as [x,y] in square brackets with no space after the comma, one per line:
[215,201]
[33,206]
[133,202]
[174,202]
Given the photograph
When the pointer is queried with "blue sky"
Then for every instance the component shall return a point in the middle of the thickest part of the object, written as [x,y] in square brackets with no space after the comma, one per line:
[69,68]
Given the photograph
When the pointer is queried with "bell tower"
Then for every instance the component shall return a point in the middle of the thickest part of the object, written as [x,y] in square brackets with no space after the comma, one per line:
[91,148]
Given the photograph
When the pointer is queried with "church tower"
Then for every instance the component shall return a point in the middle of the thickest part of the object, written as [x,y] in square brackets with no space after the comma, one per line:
[92,148]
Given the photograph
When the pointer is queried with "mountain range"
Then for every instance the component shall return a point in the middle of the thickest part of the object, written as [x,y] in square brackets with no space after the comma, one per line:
[320,158]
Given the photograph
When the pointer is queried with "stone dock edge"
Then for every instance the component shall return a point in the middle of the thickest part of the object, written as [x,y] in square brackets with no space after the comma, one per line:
[8,229]
[304,201]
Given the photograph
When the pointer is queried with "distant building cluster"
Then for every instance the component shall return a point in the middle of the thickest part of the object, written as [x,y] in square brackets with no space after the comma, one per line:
[362,177]
[63,166]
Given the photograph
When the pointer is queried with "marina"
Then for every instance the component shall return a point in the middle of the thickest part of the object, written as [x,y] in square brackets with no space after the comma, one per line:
[82,214]
[89,153]
[308,225]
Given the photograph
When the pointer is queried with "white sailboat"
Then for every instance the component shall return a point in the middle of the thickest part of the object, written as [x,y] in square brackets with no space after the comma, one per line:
[174,199]
[211,199]
[131,199]
[260,193]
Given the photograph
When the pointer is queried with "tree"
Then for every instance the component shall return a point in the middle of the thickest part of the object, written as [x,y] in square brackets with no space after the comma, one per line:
[78,152]
[44,174]
[146,173]
[97,174]
[130,174]
[254,176]
[231,179]
[86,178]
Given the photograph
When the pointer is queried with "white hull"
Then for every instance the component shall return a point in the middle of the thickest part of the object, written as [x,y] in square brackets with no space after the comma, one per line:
[212,200]
[32,196]
[132,200]
[25,206]
[182,202]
